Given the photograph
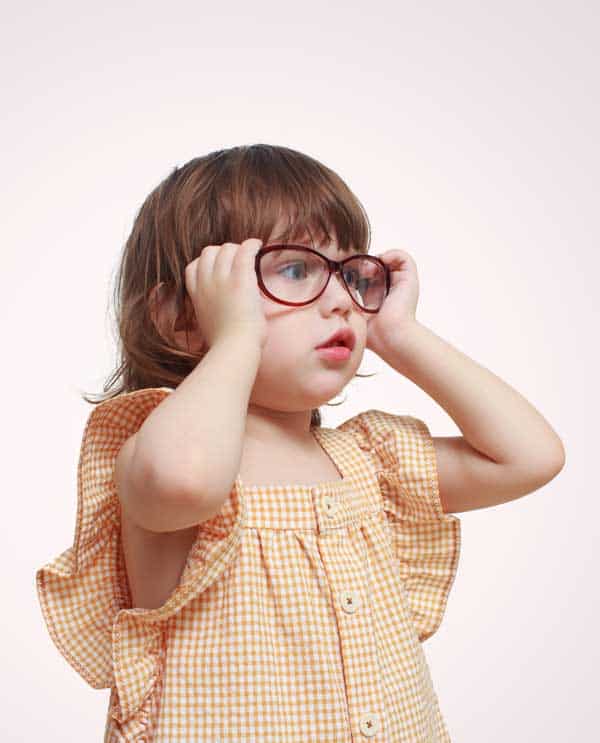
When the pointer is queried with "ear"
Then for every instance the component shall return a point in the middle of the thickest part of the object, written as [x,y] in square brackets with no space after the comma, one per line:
[170,324]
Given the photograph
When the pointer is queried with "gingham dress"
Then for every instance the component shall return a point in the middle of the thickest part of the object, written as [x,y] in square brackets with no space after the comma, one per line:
[300,612]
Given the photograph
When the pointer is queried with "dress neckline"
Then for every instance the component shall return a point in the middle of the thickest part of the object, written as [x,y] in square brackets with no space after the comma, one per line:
[321,436]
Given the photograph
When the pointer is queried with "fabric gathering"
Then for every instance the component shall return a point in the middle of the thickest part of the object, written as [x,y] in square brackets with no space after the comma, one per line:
[301,611]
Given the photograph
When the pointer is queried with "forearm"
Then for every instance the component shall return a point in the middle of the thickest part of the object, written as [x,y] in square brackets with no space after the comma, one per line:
[492,416]
[192,442]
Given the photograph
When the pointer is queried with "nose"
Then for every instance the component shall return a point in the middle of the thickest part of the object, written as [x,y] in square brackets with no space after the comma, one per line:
[336,291]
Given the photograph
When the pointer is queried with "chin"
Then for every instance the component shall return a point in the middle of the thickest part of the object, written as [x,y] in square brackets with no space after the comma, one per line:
[325,393]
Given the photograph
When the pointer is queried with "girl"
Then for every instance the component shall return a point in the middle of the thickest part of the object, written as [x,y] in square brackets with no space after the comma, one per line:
[240,573]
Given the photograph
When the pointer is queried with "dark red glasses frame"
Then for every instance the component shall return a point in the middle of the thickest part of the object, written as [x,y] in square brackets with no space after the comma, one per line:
[334,267]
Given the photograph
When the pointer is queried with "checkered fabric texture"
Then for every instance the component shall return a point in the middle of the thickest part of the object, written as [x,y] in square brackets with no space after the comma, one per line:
[300,613]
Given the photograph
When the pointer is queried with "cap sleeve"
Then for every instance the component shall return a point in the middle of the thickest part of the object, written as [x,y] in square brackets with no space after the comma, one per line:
[426,541]
[84,594]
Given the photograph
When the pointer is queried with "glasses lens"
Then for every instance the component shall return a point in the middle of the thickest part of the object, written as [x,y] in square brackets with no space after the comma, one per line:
[365,278]
[298,276]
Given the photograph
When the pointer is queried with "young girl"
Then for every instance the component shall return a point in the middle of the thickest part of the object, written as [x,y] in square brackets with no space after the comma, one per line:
[239,573]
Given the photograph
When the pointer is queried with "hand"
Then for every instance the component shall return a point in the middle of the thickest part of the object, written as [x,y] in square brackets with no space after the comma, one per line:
[224,291]
[400,305]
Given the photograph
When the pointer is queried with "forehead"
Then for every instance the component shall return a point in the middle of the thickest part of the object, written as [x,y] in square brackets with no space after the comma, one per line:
[283,227]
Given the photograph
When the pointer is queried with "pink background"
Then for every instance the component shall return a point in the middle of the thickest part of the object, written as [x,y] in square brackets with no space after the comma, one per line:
[470,134]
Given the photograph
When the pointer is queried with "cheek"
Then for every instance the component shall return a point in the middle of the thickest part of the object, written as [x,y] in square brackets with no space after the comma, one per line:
[361,333]
[288,348]
[273,311]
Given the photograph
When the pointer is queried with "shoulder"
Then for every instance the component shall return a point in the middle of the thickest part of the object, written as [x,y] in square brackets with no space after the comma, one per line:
[373,428]
[127,409]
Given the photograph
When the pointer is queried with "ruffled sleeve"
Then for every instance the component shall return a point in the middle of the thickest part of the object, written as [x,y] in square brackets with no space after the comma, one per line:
[84,594]
[426,541]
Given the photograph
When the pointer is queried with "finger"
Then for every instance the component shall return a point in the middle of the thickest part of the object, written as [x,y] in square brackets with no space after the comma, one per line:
[396,253]
[396,258]
[251,246]
[206,260]
[246,257]
[223,261]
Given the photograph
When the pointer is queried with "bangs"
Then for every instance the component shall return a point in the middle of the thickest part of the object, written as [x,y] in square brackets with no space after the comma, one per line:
[258,189]
[262,191]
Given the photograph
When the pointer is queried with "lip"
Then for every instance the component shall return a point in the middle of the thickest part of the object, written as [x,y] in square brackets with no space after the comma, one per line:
[344,336]
[335,353]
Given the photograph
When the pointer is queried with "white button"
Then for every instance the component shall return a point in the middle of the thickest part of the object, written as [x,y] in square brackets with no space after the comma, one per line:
[350,601]
[331,505]
[369,725]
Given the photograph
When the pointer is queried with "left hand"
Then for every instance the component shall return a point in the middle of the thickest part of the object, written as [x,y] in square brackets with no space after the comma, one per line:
[400,305]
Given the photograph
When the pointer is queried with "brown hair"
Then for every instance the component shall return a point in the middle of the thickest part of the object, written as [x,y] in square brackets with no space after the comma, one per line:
[227,195]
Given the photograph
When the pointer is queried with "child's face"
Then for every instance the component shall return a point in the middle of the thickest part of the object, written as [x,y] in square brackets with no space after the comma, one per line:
[292,376]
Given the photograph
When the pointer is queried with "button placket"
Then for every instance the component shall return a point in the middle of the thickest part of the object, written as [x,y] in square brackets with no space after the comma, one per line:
[350,584]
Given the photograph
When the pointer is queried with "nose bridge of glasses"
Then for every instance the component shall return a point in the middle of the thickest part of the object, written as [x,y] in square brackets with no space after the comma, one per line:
[336,271]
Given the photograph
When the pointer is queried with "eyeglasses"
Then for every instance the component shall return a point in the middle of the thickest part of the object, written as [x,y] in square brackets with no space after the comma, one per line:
[296,275]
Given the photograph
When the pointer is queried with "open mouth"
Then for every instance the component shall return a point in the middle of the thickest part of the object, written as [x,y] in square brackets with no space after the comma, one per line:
[342,338]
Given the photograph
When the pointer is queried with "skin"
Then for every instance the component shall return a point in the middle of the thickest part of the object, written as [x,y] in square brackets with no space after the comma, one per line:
[492,462]
[292,377]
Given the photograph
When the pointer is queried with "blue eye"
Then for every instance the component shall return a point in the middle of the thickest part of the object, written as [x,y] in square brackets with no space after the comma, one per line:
[353,277]
[355,280]
[348,274]
[294,266]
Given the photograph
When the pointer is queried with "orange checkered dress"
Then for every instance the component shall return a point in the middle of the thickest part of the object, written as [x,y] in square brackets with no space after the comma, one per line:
[300,612]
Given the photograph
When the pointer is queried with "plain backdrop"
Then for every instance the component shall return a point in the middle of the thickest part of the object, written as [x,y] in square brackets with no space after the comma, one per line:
[470,133]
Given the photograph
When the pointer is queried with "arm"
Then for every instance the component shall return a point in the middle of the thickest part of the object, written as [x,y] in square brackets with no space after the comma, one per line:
[507,449]
[190,446]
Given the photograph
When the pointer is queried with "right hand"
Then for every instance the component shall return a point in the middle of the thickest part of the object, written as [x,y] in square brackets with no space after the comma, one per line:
[223,288]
